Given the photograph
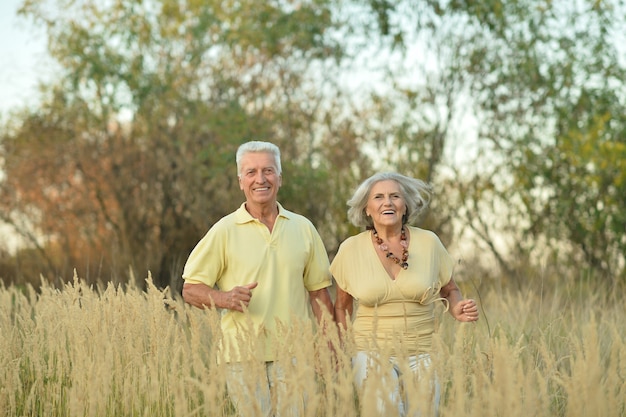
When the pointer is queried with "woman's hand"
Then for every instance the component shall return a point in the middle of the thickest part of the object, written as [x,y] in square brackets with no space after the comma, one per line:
[460,308]
[465,310]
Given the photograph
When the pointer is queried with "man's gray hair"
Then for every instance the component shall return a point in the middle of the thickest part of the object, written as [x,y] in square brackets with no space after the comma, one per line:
[416,194]
[258,146]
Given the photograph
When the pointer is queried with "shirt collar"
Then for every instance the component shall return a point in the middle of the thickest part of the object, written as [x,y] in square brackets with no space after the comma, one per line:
[242,215]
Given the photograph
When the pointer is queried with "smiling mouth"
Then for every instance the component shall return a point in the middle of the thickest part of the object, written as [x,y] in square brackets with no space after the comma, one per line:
[389,212]
[262,189]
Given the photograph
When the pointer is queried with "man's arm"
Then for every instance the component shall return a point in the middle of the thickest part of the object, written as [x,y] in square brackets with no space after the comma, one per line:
[203,296]
[320,301]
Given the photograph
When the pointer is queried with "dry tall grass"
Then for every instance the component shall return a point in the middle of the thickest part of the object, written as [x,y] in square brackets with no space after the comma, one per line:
[114,352]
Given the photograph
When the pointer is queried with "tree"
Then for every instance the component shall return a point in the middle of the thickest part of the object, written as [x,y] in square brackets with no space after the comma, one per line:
[548,82]
[543,83]
[133,154]
[510,108]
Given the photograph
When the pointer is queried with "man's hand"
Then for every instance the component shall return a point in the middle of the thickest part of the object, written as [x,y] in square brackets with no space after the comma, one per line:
[239,297]
[203,296]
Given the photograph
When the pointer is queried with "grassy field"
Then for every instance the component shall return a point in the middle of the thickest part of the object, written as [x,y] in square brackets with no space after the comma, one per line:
[126,352]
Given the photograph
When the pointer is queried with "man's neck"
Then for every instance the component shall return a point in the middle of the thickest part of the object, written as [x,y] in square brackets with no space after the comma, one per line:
[265,213]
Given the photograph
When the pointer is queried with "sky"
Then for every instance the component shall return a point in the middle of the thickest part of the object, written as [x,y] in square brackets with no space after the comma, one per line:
[22,63]
[23,57]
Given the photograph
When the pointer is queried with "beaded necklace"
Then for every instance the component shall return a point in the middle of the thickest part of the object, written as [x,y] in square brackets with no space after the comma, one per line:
[384,247]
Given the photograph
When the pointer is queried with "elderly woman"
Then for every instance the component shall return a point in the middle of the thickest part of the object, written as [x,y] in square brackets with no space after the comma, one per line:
[395,272]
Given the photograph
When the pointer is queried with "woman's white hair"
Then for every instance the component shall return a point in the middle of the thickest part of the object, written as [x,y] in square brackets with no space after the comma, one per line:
[258,146]
[416,193]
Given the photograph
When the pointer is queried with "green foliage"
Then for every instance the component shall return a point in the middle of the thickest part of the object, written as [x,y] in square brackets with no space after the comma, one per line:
[512,109]
[546,80]
[585,170]
[140,131]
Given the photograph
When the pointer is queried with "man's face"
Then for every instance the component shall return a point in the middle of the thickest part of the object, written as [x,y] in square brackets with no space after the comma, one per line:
[259,179]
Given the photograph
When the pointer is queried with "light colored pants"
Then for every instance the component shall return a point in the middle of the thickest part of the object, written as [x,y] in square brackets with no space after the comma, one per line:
[262,392]
[382,381]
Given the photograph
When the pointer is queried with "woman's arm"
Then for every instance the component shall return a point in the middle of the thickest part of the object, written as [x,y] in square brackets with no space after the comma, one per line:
[343,308]
[461,309]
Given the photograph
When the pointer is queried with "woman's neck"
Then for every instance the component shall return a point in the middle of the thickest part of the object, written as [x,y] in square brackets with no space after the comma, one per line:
[389,233]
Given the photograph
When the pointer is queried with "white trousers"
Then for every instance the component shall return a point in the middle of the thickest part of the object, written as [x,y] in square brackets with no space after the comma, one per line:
[262,392]
[384,389]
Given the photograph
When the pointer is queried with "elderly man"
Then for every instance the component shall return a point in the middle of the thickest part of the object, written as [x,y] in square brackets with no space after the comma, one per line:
[264,266]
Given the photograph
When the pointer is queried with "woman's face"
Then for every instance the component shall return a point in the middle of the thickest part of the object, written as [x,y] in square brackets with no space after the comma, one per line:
[386,204]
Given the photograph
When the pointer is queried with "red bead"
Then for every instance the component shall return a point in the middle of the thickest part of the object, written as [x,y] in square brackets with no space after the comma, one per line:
[405,252]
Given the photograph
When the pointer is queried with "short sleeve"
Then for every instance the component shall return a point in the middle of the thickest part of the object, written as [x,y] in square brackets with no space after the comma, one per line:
[446,263]
[316,274]
[343,266]
[206,261]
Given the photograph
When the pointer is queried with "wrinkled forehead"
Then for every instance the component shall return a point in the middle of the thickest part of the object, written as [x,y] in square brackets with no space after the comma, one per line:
[385,187]
[258,160]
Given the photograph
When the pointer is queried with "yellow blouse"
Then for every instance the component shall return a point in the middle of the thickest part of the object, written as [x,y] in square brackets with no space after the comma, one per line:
[394,316]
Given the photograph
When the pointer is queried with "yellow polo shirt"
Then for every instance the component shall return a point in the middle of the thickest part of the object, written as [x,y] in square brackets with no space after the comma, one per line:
[286,263]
